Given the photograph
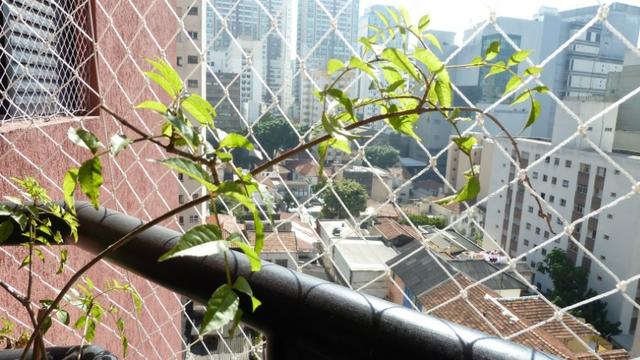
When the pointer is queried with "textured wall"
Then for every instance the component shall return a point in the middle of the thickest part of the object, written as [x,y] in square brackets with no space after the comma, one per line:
[132,184]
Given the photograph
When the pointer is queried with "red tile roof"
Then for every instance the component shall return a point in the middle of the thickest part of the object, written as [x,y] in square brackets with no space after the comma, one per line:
[276,242]
[391,229]
[478,311]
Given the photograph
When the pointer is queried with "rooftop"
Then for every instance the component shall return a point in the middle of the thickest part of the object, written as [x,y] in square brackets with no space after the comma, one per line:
[365,255]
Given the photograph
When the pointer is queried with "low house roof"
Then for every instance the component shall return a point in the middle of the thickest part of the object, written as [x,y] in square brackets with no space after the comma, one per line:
[365,255]
[276,242]
[391,229]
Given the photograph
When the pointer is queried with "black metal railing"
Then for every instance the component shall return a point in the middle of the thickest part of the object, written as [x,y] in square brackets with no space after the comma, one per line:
[301,316]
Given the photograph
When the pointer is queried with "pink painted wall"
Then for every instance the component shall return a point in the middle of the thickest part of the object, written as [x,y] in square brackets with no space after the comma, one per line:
[135,185]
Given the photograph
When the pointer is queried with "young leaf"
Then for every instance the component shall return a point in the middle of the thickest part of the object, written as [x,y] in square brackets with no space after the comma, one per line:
[465,143]
[64,255]
[254,259]
[518,57]
[443,89]
[90,334]
[392,87]
[62,316]
[512,84]
[6,229]
[118,143]
[85,139]
[399,59]
[164,83]
[405,15]
[169,74]
[477,61]
[200,109]
[404,124]
[184,128]
[533,71]
[492,51]
[191,169]
[433,40]
[357,63]
[202,240]
[334,65]
[391,75]
[424,22]
[496,68]
[90,179]
[429,59]
[470,190]
[153,105]
[233,140]
[534,114]
[522,97]
[241,284]
[221,309]
[123,338]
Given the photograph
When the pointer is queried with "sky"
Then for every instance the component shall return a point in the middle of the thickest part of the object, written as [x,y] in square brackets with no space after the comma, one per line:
[457,15]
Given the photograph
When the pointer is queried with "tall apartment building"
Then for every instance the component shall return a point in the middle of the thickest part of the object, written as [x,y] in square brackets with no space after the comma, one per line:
[320,37]
[578,71]
[270,26]
[371,17]
[575,181]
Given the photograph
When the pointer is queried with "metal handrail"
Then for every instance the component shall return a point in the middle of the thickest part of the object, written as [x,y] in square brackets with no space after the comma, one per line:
[301,316]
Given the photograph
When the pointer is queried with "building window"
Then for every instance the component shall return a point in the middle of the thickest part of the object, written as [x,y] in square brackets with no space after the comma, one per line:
[195,195]
[526,242]
[192,83]
[616,172]
[609,216]
[193,11]
[180,199]
[179,61]
[181,220]
[544,251]
[193,35]
[551,198]
[606,237]
[602,257]
[578,209]
[181,177]
[567,163]
[530,209]
[613,194]
[193,219]
[601,171]
[556,161]
[534,175]
[282,262]
[547,160]
[585,168]
[44,67]
[559,221]
[537,230]
[563,202]
[599,278]
[528,226]
[542,195]
[565,183]
[608,129]
[545,178]
[554,180]
[582,189]
[192,59]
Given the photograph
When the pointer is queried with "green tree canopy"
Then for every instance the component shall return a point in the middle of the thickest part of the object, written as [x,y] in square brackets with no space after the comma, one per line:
[419,219]
[570,286]
[353,195]
[382,156]
[275,134]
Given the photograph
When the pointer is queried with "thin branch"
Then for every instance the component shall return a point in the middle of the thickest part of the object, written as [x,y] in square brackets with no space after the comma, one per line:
[13,292]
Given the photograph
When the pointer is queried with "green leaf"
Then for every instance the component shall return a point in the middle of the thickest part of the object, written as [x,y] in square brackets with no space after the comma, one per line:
[164,83]
[199,241]
[184,128]
[399,59]
[254,259]
[477,61]
[392,87]
[46,324]
[522,97]
[492,51]
[430,60]
[85,139]
[64,256]
[405,15]
[118,143]
[153,105]
[534,113]
[465,143]
[496,68]
[6,229]
[62,316]
[433,40]
[241,284]
[534,70]
[391,75]
[424,22]
[200,109]
[403,124]
[367,45]
[221,309]
[443,89]
[192,170]
[512,84]
[470,190]
[334,65]
[540,89]
[123,339]
[90,179]
[357,63]
[169,74]
[518,57]
[233,140]
[69,187]
[343,99]
[79,324]
[90,333]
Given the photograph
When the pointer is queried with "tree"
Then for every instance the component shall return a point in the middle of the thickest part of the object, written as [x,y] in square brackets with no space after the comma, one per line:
[570,286]
[419,219]
[275,134]
[382,156]
[353,195]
